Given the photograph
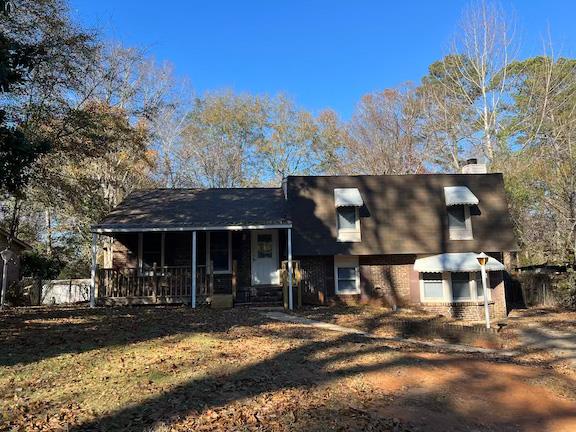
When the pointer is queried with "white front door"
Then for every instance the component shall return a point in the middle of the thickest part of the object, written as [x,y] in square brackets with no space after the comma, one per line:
[265,257]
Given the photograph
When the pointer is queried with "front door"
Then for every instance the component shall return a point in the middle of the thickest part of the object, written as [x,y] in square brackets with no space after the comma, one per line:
[265,258]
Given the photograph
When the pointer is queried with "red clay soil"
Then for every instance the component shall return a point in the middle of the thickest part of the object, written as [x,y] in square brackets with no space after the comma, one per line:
[503,396]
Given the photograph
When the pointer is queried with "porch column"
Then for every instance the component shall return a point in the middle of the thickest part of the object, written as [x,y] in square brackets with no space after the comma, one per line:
[193,294]
[93,271]
[290,294]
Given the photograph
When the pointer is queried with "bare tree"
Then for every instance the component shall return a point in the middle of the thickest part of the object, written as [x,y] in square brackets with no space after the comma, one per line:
[448,117]
[481,53]
[383,136]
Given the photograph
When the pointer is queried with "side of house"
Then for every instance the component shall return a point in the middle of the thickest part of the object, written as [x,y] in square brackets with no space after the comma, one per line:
[393,240]
[366,250]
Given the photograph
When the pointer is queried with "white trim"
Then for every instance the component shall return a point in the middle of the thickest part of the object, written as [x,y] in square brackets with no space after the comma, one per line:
[290,293]
[346,261]
[191,228]
[349,234]
[193,275]
[94,252]
[140,252]
[447,290]
[462,233]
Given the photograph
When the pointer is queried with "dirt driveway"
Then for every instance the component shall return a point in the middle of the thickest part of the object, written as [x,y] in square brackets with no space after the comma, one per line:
[177,369]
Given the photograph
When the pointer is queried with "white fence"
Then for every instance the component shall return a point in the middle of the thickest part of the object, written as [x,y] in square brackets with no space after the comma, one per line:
[65,291]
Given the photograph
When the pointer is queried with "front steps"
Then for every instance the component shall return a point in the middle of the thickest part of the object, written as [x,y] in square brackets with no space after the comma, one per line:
[259,295]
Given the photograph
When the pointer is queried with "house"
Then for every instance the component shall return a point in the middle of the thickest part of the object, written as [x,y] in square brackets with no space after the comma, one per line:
[13,268]
[396,240]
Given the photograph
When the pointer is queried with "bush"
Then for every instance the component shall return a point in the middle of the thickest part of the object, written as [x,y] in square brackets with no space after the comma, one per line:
[40,266]
[542,289]
[565,289]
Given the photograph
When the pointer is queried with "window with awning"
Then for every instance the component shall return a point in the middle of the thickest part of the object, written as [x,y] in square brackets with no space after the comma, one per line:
[347,202]
[458,202]
[347,197]
[455,262]
[453,277]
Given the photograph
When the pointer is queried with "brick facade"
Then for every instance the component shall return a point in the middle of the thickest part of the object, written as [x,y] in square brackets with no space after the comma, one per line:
[386,279]
[390,280]
[317,278]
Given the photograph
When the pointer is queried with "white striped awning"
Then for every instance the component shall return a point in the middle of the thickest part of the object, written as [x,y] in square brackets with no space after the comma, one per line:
[347,197]
[459,195]
[455,262]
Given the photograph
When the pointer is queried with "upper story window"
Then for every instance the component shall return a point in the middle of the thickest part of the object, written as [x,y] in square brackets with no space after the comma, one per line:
[458,202]
[347,202]
[459,222]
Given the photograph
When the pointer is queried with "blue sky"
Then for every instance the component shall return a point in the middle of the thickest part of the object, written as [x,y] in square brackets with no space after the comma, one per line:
[324,54]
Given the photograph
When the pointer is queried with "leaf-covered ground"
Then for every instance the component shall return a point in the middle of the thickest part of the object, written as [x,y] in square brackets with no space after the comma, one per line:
[173,368]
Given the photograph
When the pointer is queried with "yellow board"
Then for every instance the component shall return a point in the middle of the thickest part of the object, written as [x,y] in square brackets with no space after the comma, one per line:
[221,301]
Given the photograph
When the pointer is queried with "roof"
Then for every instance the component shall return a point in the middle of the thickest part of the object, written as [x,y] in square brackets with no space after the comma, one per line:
[459,195]
[175,209]
[19,242]
[455,262]
[402,214]
[347,197]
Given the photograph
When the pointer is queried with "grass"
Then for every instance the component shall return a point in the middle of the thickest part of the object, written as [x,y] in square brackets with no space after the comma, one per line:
[173,368]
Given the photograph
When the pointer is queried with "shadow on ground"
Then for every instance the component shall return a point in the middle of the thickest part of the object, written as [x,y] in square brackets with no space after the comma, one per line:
[318,381]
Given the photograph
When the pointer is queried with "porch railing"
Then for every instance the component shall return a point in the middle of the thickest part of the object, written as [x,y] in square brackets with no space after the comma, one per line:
[161,285]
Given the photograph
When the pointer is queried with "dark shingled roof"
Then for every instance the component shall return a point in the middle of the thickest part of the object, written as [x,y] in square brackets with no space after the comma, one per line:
[197,208]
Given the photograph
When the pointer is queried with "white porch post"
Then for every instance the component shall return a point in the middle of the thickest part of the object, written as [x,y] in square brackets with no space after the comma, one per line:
[193,294]
[6,255]
[290,294]
[93,271]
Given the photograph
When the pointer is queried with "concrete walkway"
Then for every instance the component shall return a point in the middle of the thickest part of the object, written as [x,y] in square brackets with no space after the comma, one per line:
[294,319]
[540,338]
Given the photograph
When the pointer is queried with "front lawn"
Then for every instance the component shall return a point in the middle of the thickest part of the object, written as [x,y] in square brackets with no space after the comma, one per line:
[173,368]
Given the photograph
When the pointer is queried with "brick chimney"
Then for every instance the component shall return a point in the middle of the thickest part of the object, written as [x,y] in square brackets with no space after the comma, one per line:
[471,166]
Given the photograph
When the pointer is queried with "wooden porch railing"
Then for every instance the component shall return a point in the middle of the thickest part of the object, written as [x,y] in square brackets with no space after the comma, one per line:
[161,285]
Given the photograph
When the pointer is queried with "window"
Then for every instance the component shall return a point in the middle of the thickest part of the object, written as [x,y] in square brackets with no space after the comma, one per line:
[346,275]
[151,250]
[452,287]
[264,246]
[433,286]
[220,250]
[459,223]
[461,289]
[348,224]
[478,282]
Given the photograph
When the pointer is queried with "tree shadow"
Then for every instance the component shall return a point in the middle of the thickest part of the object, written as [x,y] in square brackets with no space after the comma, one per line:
[319,361]
[35,334]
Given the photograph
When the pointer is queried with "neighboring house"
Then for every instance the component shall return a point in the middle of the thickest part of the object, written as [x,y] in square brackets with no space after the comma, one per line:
[398,240]
[18,246]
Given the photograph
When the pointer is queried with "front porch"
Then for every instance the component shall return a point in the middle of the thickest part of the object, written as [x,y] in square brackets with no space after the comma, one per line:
[219,267]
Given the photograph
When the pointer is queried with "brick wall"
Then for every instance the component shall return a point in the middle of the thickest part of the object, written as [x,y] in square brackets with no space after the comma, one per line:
[317,278]
[386,278]
[125,251]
